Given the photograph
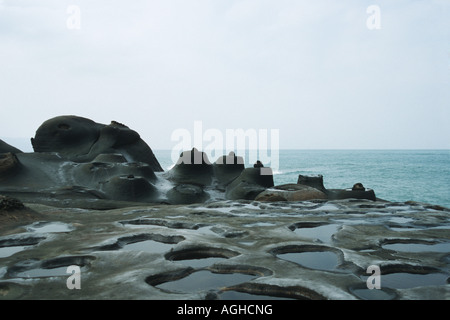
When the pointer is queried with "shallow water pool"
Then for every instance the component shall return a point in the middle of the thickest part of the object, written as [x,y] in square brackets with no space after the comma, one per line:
[323,233]
[9,251]
[48,227]
[418,247]
[321,260]
[205,280]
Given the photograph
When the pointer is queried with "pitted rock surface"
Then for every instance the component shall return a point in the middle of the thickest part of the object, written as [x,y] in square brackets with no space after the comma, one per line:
[242,247]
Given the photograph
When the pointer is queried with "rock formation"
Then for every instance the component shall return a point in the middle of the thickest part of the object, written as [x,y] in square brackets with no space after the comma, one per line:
[318,246]
[312,181]
[87,164]
[81,140]
[77,159]
[250,183]
[227,168]
[193,167]
[291,192]
[187,194]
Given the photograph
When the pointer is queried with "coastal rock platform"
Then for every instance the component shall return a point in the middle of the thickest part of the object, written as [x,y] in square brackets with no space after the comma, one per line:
[90,214]
[243,249]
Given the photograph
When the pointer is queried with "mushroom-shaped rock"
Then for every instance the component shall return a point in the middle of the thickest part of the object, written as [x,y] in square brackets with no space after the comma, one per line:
[193,167]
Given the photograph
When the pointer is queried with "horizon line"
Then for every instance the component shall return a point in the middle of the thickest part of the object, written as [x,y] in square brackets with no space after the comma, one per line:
[284,149]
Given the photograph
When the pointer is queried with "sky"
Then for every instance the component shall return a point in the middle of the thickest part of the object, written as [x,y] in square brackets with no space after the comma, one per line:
[324,74]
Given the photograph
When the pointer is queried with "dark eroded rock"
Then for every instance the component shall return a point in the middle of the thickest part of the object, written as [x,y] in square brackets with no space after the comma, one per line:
[130,188]
[110,157]
[250,183]
[228,168]
[82,140]
[337,194]
[358,187]
[193,167]
[93,173]
[187,194]
[46,178]
[358,191]
[80,162]
[311,181]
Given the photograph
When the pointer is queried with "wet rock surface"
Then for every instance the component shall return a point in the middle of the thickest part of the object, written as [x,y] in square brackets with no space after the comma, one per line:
[230,250]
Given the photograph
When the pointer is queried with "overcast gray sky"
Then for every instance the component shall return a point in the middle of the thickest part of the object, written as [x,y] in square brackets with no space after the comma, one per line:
[311,69]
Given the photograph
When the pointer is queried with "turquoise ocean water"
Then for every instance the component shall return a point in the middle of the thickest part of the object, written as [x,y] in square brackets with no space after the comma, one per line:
[395,175]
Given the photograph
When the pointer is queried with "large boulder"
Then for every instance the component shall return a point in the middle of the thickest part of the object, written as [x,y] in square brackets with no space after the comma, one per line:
[77,159]
[250,183]
[193,167]
[82,140]
[291,192]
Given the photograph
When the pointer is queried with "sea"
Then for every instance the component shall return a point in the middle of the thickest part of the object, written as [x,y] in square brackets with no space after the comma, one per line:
[394,175]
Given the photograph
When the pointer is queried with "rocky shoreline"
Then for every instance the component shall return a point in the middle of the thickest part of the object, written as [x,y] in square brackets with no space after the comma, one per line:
[77,162]
[94,196]
[229,250]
